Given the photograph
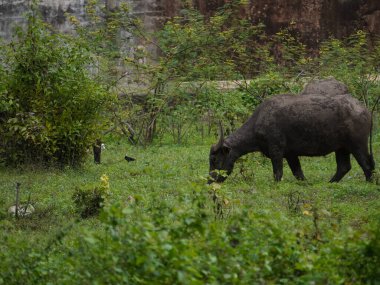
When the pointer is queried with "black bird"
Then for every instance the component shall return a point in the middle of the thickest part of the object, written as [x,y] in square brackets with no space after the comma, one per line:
[129,159]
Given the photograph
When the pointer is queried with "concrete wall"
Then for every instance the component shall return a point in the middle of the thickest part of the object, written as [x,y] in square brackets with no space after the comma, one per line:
[152,12]
[12,12]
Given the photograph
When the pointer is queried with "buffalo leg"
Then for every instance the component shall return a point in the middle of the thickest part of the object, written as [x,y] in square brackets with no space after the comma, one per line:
[343,164]
[363,158]
[276,155]
[295,166]
[277,165]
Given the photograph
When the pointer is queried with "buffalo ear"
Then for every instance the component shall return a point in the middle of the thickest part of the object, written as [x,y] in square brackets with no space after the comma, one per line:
[225,149]
[220,147]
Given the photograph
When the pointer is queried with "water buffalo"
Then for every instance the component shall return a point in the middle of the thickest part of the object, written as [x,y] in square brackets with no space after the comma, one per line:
[288,126]
[328,86]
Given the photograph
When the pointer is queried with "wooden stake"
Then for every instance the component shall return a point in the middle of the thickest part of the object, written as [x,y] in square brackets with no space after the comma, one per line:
[17,198]
[97,148]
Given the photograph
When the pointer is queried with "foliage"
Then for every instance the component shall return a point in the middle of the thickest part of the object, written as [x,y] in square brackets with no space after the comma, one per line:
[51,107]
[223,104]
[212,51]
[354,61]
[289,53]
[224,46]
[163,224]
[172,234]
[109,34]
[196,110]
[265,85]
[118,45]
[90,199]
[197,50]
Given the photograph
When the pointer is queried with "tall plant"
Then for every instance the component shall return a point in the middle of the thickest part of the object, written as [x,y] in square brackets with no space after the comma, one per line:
[225,46]
[51,107]
[356,62]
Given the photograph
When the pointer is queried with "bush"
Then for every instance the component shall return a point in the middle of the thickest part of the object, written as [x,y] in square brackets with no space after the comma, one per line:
[168,241]
[177,245]
[265,85]
[90,199]
[355,61]
[50,110]
[199,108]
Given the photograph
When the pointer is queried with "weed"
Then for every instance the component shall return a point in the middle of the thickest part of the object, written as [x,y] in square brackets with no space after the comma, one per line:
[90,199]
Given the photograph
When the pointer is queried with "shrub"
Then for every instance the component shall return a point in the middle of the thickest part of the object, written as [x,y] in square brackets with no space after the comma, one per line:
[161,242]
[355,61]
[50,110]
[177,245]
[265,85]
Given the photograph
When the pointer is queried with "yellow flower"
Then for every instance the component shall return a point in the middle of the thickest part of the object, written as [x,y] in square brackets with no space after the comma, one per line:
[306,213]
[105,182]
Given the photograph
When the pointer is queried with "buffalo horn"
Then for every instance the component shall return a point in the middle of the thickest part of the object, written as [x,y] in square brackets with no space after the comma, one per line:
[221,133]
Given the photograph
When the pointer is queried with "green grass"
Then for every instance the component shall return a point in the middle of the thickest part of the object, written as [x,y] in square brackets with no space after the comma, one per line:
[164,179]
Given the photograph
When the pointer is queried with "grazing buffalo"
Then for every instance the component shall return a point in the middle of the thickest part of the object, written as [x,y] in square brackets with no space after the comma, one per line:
[288,126]
[329,86]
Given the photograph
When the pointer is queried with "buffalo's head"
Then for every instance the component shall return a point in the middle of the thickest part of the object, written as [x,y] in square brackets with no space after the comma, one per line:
[221,160]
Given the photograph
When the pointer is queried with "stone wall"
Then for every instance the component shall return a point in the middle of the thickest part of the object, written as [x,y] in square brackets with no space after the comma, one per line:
[313,20]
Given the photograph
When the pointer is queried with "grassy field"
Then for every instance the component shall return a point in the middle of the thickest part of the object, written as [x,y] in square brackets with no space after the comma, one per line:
[166,187]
